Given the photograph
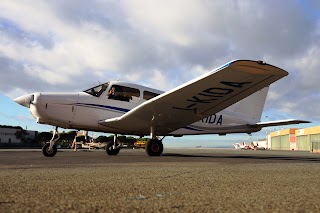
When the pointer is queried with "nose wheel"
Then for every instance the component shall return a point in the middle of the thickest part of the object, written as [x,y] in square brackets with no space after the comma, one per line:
[50,149]
[49,152]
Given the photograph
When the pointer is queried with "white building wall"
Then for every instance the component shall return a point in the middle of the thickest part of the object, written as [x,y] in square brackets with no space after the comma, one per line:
[262,144]
[31,134]
[8,135]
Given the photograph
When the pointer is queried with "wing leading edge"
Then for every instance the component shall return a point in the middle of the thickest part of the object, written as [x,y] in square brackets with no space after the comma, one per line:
[198,98]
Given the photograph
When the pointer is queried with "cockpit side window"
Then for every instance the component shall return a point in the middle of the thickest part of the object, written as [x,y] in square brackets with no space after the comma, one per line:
[123,93]
[98,90]
[148,95]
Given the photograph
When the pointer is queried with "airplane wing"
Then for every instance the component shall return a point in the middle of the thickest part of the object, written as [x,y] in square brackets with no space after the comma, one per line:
[280,123]
[198,98]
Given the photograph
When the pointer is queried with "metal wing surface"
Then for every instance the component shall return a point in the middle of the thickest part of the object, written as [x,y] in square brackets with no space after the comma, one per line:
[198,98]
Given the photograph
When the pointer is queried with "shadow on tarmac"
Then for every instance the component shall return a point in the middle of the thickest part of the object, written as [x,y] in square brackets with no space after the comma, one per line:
[278,158]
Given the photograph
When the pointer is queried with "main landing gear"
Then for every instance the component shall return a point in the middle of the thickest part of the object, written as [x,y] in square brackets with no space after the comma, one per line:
[50,149]
[154,146]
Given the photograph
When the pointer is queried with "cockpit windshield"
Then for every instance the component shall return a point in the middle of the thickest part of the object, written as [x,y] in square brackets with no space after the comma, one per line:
[97,90]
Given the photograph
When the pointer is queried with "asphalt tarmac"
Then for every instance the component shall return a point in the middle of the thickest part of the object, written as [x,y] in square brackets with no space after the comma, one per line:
[181,180]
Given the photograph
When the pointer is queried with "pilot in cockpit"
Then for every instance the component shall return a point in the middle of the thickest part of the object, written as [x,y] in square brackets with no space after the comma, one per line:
[111,93]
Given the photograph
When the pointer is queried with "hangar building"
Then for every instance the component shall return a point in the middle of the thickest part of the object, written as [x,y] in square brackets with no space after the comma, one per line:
[283,139]
[307,139]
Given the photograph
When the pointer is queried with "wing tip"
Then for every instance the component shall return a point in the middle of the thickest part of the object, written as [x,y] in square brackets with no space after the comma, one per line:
[258,66]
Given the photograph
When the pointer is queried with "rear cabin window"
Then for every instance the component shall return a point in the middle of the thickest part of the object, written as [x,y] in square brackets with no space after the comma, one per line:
[148,95]
[123,93]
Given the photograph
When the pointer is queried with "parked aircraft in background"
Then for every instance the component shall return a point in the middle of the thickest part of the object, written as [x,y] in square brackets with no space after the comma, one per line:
[93,145]
[253,146]
[229,99]
[243,145]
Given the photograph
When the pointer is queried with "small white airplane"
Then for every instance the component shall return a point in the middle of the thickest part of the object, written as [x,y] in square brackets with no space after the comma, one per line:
[93,145]
[252,146]
[243,145]
[229,99]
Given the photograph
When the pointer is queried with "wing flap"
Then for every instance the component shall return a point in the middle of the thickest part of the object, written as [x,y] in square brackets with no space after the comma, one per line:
[197,99]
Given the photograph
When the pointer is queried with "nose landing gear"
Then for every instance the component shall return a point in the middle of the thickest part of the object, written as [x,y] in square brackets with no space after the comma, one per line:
[50,149]
[49,152]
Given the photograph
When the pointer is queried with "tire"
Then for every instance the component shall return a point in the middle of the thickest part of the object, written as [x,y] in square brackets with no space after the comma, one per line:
[49,153]
[154,147]
[110,150]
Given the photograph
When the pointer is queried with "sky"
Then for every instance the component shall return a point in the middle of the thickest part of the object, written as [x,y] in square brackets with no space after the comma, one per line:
[69,46]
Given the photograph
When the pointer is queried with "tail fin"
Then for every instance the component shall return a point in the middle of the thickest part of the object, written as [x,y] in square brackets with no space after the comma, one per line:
[251,107]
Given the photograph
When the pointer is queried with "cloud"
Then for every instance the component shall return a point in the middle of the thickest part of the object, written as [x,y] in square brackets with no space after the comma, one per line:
[70,46]
[298,94]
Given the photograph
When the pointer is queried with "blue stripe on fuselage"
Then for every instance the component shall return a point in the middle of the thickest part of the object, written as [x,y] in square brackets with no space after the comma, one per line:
[105,107]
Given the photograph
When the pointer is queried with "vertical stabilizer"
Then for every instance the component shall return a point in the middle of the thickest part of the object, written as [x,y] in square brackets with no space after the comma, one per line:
[251,107]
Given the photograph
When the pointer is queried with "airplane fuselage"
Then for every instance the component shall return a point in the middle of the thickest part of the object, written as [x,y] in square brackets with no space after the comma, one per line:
[83,110]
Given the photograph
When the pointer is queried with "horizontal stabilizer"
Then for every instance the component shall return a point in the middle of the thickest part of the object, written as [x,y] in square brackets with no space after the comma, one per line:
[280,123]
